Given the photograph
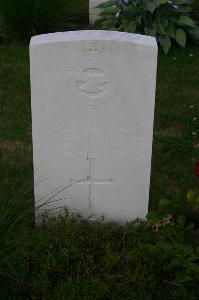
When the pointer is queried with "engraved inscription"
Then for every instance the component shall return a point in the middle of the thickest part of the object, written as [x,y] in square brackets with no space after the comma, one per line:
[94,82]
[95,49]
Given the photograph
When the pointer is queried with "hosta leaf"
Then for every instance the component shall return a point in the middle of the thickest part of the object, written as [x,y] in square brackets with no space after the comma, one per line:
[161,1]
[109,11]
[164,202]
[186,21]
[165,43]
[182,278]
[164,22]
[152,32]
[131,27]
[128,26]
[181,220]
[160,29]
[170,32]
[194,33]
[180,37]
[138,19]
[151,7]
[182,2]
[107,24]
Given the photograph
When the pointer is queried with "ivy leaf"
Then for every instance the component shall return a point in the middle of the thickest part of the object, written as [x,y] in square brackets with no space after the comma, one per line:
[180,37]
[186,21]
[165,42]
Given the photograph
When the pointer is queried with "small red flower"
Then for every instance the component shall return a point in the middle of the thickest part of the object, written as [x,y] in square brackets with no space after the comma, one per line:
[197,168]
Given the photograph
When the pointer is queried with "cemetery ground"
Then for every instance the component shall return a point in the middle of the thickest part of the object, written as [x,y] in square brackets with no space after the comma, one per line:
[72,259]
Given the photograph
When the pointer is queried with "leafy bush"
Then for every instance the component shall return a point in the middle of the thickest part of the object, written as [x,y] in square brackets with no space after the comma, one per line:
[196,9]
[183,210]
[24,18]
[167,20]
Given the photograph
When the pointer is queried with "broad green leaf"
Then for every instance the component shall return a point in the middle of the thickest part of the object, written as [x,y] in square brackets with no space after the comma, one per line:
[109,11]
[107,24]
[153,216]
[182,2]
[160,29]
[181,220]
[138,19]
[151,7]
[131,27]
[165,42]
[180,37]
[152,32]
[164,22]
[170,31]
[164,202]
[161,1]
[182,277]
[128,26]
[194,33]
[186,21]
[190,194]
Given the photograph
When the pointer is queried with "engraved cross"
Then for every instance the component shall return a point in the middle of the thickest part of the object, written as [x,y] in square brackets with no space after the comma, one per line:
[91,181]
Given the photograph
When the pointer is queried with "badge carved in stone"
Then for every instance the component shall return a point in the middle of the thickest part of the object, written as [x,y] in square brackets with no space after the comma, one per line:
[93,82]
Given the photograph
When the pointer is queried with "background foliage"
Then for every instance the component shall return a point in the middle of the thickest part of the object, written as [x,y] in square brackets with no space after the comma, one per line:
[21,19]
[196,9]
[168,21]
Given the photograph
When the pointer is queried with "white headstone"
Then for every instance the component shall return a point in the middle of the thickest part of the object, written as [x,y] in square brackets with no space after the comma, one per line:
[93,95]
[94,10]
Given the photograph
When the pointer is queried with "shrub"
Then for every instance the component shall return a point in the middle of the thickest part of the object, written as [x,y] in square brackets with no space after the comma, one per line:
[196,9]
[24,18]
[167,20]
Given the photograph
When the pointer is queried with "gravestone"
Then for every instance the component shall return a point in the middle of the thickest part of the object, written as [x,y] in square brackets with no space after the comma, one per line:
[94,10]
[93,95]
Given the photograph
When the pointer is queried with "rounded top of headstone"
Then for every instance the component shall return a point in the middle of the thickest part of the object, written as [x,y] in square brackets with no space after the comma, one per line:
[98,35]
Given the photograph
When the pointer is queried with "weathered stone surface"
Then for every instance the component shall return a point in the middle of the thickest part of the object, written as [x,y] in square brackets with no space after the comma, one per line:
[93,95]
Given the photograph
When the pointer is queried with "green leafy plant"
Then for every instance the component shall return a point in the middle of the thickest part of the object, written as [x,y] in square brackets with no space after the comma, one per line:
[196,9]
[167,20]
[181,210]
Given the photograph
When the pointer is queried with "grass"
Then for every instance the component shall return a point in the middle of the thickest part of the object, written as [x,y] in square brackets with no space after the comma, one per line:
[71,259]
[176,142]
